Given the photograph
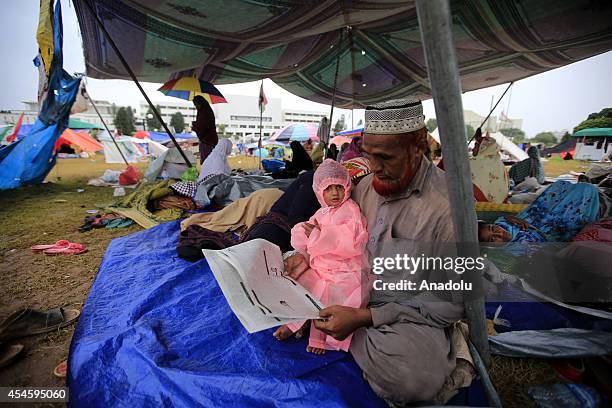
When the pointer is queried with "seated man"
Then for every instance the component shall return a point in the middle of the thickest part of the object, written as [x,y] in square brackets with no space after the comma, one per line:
[404,349]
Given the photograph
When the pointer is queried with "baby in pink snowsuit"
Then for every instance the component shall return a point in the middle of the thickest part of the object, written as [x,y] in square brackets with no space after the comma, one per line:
[334,240]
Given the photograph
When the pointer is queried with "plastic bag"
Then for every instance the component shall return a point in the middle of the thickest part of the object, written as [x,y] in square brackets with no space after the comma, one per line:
[131,175]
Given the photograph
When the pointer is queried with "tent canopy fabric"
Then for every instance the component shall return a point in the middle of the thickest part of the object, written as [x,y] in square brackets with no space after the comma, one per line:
[79,124]
[296,43]
[594,132]
[82,140]
[297,131]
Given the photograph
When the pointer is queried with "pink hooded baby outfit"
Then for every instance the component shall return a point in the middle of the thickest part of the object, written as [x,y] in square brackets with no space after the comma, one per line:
[337,252]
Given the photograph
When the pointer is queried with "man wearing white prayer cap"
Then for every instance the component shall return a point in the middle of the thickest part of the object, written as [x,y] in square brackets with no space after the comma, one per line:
[402,344]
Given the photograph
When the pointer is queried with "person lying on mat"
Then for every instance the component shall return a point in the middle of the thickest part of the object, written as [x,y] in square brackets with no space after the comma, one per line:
[555,216]
[334,239]
[404,350]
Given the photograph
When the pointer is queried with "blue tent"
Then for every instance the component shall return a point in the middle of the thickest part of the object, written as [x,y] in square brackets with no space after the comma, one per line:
[29,160]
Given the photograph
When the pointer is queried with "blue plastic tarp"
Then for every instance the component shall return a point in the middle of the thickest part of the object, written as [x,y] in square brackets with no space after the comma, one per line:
[30,160]
[162,137]
[157,331]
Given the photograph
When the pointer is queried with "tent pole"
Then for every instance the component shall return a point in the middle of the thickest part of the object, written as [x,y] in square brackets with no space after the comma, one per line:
[333,101]
[492,109]
[133,76]
[106,127]
[434,18]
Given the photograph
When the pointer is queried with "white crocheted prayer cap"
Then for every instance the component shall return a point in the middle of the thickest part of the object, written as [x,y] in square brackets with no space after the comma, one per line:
[394,116]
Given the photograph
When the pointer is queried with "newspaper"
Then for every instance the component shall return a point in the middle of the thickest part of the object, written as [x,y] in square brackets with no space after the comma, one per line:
[251,278]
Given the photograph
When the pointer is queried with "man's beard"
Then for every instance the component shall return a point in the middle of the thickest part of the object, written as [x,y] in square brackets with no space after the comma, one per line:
[389,187]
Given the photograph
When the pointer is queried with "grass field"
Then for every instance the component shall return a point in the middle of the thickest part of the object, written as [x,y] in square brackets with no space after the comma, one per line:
[48,212]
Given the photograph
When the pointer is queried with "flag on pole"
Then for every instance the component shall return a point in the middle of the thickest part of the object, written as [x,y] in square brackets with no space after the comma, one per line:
[263,101]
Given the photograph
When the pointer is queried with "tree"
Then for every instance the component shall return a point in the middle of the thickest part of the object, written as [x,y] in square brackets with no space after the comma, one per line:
[566,137]
[601,119]
[340,124]
[513,133]
[124,121]
[431,124]
[545,137]
[177,121]
[152,122]
[469,130]
[221,127]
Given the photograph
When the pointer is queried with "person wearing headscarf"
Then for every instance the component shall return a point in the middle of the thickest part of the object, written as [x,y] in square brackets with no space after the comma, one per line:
[354,150]
[216,162]
[335,239]
[205,127]
[489,177]
[530,167]
[557,215]
[332,152]
[341,152]
[317,154]
[300,160]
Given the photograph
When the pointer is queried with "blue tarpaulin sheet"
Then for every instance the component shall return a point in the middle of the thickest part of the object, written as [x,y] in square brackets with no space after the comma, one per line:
[157,331]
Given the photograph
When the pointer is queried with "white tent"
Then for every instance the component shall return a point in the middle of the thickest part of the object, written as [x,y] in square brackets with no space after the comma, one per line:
[132,148]
[505,145]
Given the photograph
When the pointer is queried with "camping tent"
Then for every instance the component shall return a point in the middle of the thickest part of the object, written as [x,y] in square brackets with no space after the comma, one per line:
[505,145]
[133,149]
[81,140]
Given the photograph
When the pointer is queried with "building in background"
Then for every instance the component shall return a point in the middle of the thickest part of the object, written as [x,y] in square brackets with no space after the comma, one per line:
[493,124]
[239,118]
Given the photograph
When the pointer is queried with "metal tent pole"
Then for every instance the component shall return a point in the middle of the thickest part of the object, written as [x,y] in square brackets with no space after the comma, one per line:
[133,76]
[436,31]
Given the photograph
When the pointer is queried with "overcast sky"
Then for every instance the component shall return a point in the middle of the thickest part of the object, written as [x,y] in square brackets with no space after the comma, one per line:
[555,100]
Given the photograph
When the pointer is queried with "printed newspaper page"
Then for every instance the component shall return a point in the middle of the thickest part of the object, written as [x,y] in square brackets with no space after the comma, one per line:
[250,276]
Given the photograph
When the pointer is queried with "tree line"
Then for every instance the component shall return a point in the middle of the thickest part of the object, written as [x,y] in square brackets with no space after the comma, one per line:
[125,122]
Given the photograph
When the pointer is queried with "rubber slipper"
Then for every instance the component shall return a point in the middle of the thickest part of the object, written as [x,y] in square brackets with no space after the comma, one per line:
[72,249]
[59,244]
[61,369]
[28,322]
[9,353]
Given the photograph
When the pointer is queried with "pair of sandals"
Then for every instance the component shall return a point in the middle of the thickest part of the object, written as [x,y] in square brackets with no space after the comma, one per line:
[30,322]
[61,247]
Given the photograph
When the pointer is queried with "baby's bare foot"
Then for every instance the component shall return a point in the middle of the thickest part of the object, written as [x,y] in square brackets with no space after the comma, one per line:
[315,350]
[282,333]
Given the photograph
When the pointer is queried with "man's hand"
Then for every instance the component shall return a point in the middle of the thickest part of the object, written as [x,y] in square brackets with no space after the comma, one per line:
[342,320]
[295,266]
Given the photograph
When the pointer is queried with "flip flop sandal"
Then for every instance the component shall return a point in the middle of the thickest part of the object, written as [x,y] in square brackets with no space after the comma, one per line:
[9,353]
[59,244]
[28,322]
[61,369]
[72,249]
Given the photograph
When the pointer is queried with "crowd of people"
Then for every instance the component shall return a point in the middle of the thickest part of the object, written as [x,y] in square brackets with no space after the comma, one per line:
[347,205]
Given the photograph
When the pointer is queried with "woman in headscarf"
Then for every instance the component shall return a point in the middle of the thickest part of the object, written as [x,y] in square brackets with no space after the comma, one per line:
[555,216]
[354,150]
[216,162]
[332,152]
[489,178]
[341,152]
[530,167]
[300,160]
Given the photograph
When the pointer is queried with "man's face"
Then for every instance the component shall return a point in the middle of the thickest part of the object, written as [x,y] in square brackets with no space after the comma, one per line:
[393,160]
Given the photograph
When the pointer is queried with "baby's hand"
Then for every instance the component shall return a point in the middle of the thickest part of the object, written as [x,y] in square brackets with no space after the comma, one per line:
[308,228]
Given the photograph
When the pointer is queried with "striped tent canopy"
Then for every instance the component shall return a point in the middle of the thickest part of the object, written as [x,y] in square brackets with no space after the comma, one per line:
[296,43]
